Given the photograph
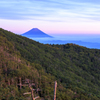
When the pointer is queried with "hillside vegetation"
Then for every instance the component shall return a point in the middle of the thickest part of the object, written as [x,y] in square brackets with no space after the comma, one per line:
[76,69]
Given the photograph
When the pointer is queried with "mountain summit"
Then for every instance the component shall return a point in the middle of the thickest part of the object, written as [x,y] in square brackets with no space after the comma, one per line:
[35,32]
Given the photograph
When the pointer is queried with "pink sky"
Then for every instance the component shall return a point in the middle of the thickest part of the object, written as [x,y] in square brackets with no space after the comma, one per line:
[21,26]
[51,16]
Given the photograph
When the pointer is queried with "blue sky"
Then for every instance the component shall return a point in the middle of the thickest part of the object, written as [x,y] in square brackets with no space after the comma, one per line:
[51,16]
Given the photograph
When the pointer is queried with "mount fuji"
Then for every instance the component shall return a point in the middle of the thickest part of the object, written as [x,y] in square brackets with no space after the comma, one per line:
[35,33]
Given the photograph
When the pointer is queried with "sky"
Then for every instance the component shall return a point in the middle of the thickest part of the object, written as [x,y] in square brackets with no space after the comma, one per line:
[51,16]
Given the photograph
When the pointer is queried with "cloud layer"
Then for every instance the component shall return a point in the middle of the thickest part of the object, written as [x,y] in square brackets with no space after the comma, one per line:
[50,10]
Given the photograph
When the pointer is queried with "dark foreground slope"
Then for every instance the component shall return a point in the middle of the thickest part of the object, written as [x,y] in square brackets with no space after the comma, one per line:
[76,69]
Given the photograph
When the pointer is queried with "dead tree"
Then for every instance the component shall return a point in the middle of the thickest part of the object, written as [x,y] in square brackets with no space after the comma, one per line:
[32,95]
[27,81]
[55,86]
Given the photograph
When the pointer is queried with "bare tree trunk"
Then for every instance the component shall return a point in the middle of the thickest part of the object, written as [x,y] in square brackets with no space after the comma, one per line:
[55,86]
[31,92]
[32,95]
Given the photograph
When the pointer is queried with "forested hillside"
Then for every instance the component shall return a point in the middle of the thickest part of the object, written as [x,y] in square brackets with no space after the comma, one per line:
[76,69]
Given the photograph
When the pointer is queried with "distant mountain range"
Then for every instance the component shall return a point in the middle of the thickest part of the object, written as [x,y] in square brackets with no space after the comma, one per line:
[36,33]
[81,43]
[42,37]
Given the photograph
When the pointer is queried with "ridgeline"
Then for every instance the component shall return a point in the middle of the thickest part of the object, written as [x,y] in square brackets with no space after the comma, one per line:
[75,68]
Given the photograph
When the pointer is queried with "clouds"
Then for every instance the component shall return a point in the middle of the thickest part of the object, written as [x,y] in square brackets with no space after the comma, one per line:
[25,9]
[88,1]
[49,9]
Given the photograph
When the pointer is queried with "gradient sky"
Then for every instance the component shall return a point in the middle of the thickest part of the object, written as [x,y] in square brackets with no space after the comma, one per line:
[51,16]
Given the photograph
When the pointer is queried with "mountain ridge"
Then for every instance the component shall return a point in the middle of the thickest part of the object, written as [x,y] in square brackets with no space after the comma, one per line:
[81,43]
[76,69]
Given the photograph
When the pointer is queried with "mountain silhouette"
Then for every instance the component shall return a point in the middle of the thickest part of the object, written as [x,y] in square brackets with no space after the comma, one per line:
[35,32]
